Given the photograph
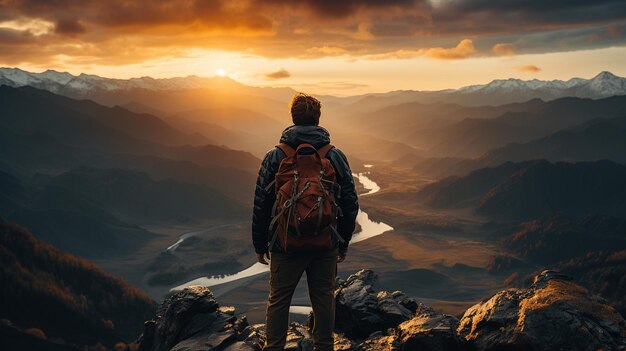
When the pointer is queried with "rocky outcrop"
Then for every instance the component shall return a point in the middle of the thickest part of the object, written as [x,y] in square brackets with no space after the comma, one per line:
[192,320]
[426,331]
[360,310]
[553,314]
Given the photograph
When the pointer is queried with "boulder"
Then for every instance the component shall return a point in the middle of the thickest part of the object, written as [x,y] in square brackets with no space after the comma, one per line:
[191,320]
[360,310]
[554,313]
[427,331]
[378,341]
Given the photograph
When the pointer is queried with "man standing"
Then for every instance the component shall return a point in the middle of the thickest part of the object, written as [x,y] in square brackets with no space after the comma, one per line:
[291,246]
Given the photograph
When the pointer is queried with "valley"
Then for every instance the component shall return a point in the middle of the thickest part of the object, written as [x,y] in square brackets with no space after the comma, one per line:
[458,200]
[440,257]
[444,268]
[466,159]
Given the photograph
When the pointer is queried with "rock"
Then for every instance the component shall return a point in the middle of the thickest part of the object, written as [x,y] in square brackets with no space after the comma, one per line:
[174,315]
[391,309]
[298,338]
[254,334]
[361,311]
[427,331]
[206,341]
[191,320]
[343,344]
[405,300]
[242,346]
[378,341]
[553,314]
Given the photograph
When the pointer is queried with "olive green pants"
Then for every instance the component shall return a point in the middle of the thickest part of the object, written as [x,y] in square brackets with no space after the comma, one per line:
[285,273]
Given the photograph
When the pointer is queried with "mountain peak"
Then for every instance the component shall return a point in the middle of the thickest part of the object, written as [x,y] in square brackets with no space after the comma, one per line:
[605,75]
[56,76]
[93,76]
[54,71]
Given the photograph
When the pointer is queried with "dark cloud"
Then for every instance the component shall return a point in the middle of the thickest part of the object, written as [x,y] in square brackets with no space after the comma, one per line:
[69,27]
[9,38]
[524,15]
[313,28]
[280,74]
[344,8]
[123,13]
[560,39]
[583,9]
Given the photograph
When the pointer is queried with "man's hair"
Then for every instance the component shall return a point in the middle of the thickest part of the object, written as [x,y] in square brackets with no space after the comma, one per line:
[305,109]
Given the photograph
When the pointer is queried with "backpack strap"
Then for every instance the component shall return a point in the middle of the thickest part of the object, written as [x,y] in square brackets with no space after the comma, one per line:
[288,150]
[324,150]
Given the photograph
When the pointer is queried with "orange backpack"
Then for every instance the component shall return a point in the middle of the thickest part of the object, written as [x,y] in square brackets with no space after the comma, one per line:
[304,216]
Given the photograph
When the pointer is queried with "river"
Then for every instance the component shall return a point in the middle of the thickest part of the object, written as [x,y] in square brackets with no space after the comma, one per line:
[369,229]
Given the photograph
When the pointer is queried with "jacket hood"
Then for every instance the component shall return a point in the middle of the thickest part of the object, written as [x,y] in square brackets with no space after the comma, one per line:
[298,134]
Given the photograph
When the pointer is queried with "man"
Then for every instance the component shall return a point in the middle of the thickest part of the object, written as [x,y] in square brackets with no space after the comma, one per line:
[286,269]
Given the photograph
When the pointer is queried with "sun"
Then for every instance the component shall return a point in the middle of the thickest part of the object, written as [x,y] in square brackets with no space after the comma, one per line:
[221,72]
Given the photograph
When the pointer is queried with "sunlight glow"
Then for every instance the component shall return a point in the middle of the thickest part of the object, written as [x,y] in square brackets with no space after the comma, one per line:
[341,77]
[221,72]
[35,27]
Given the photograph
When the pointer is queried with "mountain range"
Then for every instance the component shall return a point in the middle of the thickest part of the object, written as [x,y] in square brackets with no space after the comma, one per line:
[494,93]
[404,120]
[115,170]
[77,132]
[65,83]
[528,189]
[86,177]
[597,139]
[604,84]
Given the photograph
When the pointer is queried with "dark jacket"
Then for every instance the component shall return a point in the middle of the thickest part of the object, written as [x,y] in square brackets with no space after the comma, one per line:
[264,200]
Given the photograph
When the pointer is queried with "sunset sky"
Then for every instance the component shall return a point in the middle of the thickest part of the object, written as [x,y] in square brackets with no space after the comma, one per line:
[337,47]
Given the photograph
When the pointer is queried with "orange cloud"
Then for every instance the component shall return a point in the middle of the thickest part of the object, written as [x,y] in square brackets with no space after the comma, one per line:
[280,74]
[529,68]
[463,50]
[326,51]
[116,32]
[503,49]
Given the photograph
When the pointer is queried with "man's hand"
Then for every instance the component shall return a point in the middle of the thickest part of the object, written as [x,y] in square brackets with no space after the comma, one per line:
[341,257]
[262,256]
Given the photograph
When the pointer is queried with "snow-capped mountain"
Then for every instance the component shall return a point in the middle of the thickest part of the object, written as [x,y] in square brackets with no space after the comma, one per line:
[603,85]
[497,92]
[48,80]
[62,82]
